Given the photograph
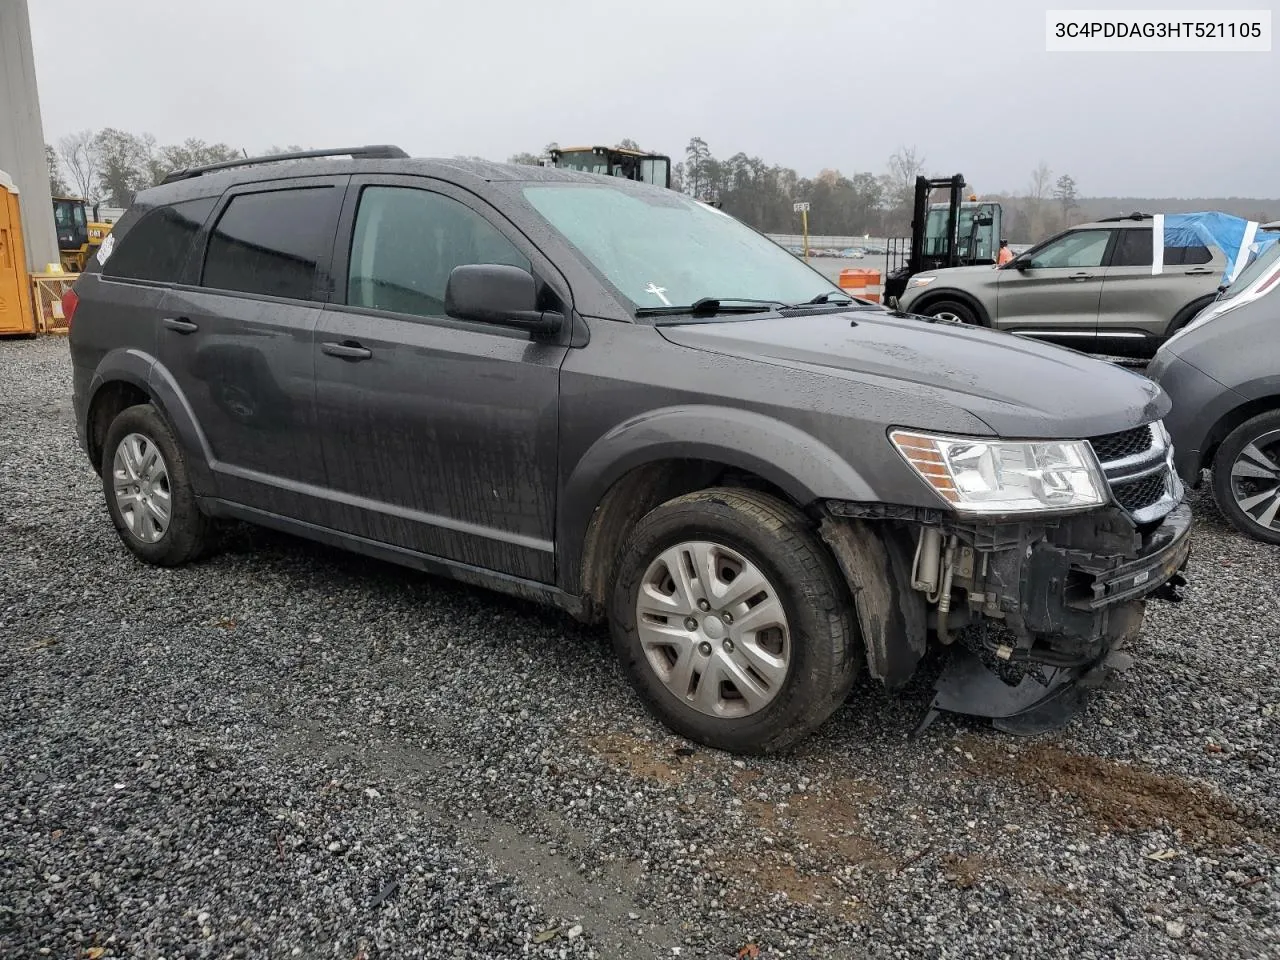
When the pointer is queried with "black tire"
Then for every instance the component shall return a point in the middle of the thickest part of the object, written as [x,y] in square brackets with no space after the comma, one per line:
[188,531]
[961,311]
[1188,313]
[824,642]
[1229,450]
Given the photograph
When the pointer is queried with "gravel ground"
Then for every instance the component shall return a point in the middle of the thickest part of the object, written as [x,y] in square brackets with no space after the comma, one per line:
[289,751]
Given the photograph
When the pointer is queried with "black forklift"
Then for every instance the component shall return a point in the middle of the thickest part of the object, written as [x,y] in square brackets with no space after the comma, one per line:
[959,232]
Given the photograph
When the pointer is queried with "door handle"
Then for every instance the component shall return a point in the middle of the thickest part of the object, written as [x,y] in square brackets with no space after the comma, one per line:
[1200,272]
[1082,276]
[349,350]
[180,324]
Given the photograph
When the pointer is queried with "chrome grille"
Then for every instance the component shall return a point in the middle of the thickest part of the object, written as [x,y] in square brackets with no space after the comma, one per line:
[1139,494]
[1119,446]
[1138,465]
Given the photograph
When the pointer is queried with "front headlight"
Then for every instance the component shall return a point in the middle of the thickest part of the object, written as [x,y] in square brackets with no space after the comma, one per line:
[977,476]
[920,282]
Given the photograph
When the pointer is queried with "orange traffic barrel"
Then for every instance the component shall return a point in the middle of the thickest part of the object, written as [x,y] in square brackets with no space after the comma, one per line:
[862,282]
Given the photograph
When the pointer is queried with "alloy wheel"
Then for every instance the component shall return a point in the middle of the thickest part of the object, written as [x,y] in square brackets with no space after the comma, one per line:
[1255,480]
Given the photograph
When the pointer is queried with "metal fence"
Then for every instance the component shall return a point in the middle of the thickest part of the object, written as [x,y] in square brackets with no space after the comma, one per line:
[46,300]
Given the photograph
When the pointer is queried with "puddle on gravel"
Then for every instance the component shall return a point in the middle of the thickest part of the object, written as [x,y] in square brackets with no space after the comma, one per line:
[1123,796]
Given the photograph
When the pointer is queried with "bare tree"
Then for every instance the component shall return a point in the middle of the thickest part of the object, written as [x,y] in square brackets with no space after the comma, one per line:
[57,186]
[79,154]
[904,166]
[1041,177]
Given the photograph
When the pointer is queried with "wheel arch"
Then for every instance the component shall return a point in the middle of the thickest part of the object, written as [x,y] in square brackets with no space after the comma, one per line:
[126,377]
[654,458]
[1233,418]
[1188,312]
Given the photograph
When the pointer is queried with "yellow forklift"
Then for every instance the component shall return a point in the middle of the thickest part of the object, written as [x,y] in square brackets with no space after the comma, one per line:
[78,236]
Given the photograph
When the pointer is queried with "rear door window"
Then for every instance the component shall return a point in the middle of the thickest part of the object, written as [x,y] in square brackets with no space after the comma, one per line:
[271,243]
[157,246]
[1133,248]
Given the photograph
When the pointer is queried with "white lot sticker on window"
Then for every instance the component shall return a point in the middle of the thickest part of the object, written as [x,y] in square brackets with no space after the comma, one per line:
[104,251]
[659,292]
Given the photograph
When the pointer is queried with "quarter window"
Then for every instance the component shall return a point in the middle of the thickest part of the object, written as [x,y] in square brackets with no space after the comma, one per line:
[1187,256]
[1081,248]
[157,246]
[407,242]
[270,243]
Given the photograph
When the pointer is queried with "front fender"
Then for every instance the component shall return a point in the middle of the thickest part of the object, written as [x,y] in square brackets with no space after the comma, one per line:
[142,370]
[802,466]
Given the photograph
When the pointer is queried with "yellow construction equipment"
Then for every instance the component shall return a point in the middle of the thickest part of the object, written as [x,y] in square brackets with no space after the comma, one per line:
[78,236]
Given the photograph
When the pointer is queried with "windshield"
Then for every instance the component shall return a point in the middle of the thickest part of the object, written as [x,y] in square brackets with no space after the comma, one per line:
[1252,271]
[662,249]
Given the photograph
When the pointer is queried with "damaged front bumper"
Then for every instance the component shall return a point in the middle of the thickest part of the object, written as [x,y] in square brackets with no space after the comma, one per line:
[1040,610]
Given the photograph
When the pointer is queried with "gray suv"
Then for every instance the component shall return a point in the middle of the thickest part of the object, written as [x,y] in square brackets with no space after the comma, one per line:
[1222,372]
[608,397]
[1091,288]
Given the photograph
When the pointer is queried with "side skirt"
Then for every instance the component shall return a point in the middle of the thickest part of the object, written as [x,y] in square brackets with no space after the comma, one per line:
[542,593]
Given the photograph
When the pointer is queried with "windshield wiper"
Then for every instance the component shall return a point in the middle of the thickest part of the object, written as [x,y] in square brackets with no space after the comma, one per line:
[843,300]
[708,306]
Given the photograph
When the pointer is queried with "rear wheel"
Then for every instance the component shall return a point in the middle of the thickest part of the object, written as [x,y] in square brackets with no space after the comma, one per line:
[732,621]
[1246,477]
[148,490]
[953,311]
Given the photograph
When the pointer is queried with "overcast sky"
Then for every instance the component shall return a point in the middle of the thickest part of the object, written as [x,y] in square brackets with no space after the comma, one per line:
[805,83]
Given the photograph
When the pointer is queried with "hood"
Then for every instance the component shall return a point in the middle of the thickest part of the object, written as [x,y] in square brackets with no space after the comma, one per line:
[1018,387]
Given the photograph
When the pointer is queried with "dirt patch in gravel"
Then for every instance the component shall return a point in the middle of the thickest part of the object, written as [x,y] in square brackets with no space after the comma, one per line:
[1123,796]
[811,847]
[647,760]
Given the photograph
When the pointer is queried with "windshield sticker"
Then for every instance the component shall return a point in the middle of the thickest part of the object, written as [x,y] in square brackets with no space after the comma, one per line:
[658,292]
[104,251]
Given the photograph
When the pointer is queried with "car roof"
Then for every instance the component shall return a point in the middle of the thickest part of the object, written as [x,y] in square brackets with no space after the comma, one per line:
[465,172]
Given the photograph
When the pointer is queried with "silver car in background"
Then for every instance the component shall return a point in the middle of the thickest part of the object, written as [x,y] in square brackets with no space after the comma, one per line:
[1091,288]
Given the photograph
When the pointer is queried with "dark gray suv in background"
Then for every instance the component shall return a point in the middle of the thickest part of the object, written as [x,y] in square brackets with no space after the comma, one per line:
[610,397]
[1223,373]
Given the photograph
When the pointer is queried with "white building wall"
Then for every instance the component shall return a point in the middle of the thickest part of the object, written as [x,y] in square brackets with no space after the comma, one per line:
[22,134]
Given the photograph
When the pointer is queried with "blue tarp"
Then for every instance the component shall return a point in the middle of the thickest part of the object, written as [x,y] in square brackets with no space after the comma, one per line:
[1222,230]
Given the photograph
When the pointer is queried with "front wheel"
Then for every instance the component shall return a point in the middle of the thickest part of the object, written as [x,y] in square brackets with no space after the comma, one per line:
[952,311]
[733,622]
[1246,477]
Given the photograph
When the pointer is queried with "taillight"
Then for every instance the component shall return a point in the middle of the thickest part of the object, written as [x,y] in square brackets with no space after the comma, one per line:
[69,303]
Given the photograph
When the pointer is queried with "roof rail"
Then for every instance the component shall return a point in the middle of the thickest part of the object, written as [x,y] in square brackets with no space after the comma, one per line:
[382,151]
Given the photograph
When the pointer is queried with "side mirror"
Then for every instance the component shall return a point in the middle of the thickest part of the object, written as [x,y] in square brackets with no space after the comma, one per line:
[1021,264]
[499,294]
